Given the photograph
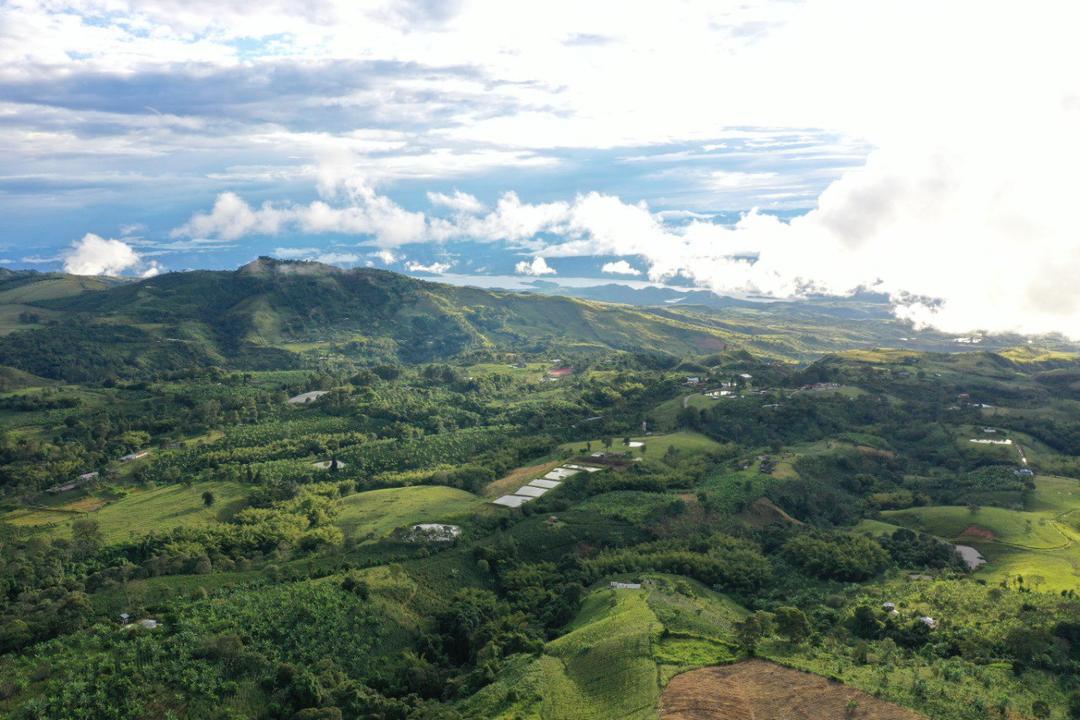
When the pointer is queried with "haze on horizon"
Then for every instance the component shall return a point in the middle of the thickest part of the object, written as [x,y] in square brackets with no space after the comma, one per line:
[924,150]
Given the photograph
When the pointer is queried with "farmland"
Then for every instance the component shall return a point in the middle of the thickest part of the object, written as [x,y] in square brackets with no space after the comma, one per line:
[260,559]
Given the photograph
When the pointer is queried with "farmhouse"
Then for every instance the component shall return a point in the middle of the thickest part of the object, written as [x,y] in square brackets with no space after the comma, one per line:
[991,441]
[928,621]
[135,456]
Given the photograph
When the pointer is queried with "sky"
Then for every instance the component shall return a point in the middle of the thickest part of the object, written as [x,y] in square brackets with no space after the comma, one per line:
[925,150]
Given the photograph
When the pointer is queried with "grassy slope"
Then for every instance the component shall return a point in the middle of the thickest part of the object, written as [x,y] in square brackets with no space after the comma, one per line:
[615,656]
[1041,543]
[375,514]
[139,512]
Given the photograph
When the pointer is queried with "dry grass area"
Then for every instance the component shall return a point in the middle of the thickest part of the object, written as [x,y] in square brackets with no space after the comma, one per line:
[763,512]
[760,690]
[519,477]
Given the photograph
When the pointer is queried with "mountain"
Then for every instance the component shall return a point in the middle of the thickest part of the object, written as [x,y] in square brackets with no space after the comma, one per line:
[268,313]
[264,313]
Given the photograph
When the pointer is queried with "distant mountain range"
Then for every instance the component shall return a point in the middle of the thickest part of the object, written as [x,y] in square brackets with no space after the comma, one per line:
[270,312]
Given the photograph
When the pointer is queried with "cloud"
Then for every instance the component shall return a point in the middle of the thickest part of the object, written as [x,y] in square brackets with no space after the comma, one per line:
[316,255]
[537,266]
[94,255]
[435,268]
[386,257]
[460,201]
[620,267]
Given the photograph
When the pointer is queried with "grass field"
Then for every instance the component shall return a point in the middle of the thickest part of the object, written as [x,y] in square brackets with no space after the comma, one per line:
[139,512]
[655,445]
[617,653]
[1042,544]
[374,514]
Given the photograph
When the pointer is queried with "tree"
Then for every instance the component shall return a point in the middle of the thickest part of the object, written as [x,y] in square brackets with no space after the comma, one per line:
[86,538]
[865,624]
[607,443]
[752,629]
[1074,706]
[1040,709]
[791,622]
[208,498]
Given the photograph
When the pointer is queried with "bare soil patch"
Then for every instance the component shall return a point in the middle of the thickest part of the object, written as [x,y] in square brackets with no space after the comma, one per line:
[976,531]
[761,690]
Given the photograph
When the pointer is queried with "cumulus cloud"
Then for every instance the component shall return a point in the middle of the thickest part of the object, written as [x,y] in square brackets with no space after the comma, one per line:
[386,257]
[620,267]
[95,255]
[459,201]
[537,266]
[435,268]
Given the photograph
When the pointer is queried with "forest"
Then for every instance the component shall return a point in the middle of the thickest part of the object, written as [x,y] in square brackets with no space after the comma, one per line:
[208,513]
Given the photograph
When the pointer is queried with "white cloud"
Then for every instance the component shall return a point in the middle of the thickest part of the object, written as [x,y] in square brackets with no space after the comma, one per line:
[316,255]
[386,257]
[537,266]
[460,201]
[435,268]
[232,218]
[620,267]
[94,255]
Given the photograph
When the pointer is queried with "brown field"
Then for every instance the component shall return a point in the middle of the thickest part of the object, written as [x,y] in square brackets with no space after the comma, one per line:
[763,512]
[976,531]
[760,690]
[519,477]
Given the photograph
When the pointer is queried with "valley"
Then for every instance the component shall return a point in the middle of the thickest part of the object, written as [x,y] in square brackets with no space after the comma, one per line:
[274,493]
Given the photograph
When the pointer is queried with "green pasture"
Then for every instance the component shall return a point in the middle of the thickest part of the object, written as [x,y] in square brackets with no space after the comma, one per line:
[139,512]
[374,514]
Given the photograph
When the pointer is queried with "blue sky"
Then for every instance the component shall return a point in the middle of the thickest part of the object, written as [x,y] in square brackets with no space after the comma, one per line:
[780,147]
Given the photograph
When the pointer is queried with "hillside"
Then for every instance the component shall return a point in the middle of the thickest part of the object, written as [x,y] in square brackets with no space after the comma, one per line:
[268,312]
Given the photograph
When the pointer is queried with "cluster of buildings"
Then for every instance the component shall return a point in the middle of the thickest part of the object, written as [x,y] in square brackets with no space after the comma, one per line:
[77,482]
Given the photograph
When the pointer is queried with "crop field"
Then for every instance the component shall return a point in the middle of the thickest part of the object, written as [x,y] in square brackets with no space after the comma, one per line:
[765,691]
[374,514]
[139,512]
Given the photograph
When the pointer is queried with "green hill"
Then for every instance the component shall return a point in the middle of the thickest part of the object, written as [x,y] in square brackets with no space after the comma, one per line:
[260,315]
